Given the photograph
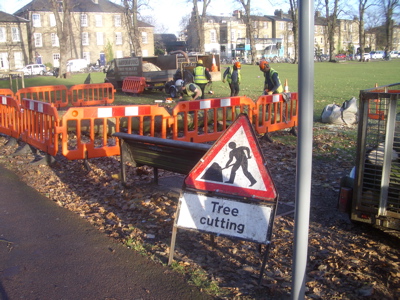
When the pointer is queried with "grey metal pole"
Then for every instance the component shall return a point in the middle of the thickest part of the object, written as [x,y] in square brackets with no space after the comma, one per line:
[304,147]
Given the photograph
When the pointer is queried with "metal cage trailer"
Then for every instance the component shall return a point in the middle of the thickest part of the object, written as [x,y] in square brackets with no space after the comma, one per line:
[376,194]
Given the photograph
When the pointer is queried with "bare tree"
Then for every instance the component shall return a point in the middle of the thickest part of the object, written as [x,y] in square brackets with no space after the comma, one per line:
[294,15]
[249,28]
[389,7]
[363,5]
[331,13]
[62,13]
[131,22]
[199,21]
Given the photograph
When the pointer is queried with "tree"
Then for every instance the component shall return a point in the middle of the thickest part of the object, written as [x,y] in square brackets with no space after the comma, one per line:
[389,7]
[199,21]
[362,6]
[62,13]
[131,22]
[331,14]
[249,29]
[294,15]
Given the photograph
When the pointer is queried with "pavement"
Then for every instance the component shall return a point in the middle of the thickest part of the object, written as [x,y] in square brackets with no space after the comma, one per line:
[49,252]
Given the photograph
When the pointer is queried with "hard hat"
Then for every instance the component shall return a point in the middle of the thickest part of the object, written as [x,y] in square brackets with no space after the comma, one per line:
[179,83]
[263,64]
[200,61]
[237,65]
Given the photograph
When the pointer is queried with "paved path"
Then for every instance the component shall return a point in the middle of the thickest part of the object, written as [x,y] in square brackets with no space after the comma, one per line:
[48,252]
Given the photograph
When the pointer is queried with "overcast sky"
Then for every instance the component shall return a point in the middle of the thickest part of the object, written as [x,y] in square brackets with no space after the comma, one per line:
[169,16]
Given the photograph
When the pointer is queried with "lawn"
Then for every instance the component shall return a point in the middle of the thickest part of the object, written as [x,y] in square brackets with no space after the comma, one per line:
[334,82]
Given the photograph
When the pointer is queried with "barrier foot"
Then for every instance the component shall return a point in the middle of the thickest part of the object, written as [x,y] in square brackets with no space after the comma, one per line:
[267,138]
[24,150]
[11,142]
[86,164]
[43,161]
[293,131]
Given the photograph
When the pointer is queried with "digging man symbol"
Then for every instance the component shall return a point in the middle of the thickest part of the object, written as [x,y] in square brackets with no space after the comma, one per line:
[239,153]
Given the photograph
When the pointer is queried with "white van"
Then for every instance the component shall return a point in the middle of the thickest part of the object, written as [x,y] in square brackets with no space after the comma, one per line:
[77,65]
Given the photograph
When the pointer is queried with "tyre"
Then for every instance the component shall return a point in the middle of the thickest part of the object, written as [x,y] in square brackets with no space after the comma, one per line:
[172,92]
[42,73]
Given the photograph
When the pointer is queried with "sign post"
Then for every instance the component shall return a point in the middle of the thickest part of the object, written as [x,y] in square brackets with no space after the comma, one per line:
[229,192]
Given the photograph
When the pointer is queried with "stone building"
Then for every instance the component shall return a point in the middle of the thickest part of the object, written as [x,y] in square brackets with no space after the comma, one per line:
[13,42]
[95,26]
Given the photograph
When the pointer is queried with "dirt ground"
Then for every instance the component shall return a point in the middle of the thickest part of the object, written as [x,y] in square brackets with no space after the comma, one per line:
[345,260]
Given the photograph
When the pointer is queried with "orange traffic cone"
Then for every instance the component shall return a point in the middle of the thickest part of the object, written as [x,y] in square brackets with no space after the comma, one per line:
[286,86]
[214,65]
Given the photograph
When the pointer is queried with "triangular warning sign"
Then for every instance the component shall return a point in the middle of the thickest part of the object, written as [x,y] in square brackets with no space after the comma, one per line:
[234,165]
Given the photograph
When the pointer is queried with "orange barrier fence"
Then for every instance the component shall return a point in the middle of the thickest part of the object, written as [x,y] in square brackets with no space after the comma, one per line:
[56,94]
[86,131]
[135,85]
[274,113]
[91,94]
[40,125]
[7,92]
[204,120]
[10,119]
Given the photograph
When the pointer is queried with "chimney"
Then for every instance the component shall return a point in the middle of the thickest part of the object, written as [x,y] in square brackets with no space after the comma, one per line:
[237,13]
[95,1]
[318,14]
[279,13]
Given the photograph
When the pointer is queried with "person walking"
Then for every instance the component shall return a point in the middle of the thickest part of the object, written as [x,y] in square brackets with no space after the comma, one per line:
[201,76]
[234,77]
[241,161]
[272,83]
[190,89]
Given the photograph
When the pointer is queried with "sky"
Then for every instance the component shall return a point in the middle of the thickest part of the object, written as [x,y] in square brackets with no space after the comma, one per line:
[169,16]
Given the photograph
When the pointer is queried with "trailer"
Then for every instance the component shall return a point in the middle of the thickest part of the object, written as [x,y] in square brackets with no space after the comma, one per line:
[156,70]
[376,186]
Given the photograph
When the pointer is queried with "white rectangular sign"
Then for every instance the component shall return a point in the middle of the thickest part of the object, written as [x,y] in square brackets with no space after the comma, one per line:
[224,216]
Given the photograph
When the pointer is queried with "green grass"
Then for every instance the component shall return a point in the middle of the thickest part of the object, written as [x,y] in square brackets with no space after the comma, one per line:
[333,83]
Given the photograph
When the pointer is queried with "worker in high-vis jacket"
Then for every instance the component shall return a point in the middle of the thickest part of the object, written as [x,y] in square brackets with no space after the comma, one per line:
[190,89]
[201,76]
[234,77]
[272,83]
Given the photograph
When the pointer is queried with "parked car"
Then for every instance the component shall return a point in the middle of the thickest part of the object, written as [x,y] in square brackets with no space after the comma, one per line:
[377,54]
[366,56]
[77,65]
[340,56]
[34,69]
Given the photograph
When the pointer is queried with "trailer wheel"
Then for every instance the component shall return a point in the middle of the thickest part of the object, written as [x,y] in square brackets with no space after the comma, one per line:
[172,91]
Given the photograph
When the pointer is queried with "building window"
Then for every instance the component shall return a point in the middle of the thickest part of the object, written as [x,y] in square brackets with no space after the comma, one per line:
[54,40]
[238,35]
[36,20]
[233,34]
[322,40]
[37,37]
[118,38]
[86,56]
[15,34]
[282,25]
[351,27]
[84,20]
[265,24]
[99,20]
[18,60]
[213,36]
[100,38]
[3,37]
[117,20]
[144,38]
[85,39]
[52,19]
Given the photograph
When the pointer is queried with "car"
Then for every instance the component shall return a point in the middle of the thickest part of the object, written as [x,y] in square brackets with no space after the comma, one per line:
[366,56]
[340,56]
[377,54]
[34,69]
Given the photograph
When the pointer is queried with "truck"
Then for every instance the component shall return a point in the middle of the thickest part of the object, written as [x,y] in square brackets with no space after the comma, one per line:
[157,70]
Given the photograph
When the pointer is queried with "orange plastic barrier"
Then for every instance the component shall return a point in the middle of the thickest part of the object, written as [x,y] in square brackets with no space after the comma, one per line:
[7,92]
[91,94]
[40,125]
[10,119]
[87,131]
[135,85]
[273,113]
[56,94]
[204,120]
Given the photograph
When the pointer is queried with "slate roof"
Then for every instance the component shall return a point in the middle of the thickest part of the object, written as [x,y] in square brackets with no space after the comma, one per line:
[5,17]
